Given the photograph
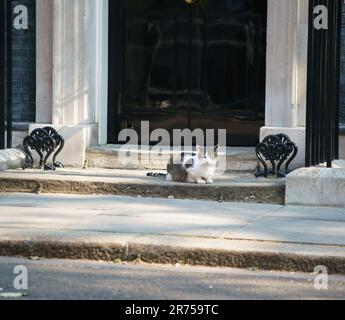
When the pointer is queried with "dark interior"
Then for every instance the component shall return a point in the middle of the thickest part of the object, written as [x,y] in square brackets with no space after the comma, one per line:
[181,65]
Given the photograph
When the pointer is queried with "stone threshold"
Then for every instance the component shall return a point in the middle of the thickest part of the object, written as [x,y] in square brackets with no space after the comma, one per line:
[239,159]
[231,187]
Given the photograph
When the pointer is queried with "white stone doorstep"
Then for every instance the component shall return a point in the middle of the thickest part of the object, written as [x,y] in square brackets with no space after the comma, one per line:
[317,186]
[11,159]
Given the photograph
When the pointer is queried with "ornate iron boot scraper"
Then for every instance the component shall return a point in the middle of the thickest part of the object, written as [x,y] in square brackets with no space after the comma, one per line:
[45,142]
[276,149]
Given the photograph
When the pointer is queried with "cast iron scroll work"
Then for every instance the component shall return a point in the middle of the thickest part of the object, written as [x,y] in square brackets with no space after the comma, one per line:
[45,142]
[276,149]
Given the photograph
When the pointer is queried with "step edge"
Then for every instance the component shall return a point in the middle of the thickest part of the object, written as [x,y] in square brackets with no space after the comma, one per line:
[151,252]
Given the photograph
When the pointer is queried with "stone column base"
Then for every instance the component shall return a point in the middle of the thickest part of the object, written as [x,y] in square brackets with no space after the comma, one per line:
[297,135]
[77,139]
[342,146]
[317,186]
[11,159]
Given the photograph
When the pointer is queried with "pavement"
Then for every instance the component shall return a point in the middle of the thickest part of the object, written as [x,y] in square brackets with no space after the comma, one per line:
[111,228]
[88,280]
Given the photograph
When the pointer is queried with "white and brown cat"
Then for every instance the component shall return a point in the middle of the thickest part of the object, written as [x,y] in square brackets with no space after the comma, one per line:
[199,167]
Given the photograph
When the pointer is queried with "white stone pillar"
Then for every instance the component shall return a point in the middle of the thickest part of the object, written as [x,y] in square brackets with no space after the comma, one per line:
[74,62]
[286,87]
[79,75]
[101,69]
[81,66]
[301,65]
[44,60]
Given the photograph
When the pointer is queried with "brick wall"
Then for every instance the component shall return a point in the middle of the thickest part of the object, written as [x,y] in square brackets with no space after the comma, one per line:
[24,67]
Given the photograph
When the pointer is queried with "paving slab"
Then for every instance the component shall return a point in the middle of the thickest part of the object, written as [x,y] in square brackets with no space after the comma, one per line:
[167,231]
[294,230]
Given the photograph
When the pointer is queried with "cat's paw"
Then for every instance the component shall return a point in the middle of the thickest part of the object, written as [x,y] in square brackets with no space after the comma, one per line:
[201,181]
[209,181]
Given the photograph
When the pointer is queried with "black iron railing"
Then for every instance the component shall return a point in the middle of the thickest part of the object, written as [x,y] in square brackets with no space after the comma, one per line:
[9,118]
[323,97]
[2,73]
[6,74]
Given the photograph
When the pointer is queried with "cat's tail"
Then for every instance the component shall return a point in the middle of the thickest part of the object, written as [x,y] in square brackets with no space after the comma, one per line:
[156,175]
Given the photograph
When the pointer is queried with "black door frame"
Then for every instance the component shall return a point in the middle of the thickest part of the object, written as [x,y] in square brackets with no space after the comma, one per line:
[6,125]
[114,68]
[2,73]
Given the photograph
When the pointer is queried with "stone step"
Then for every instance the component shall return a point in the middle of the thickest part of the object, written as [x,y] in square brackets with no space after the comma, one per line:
[107,157]
[231,187]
